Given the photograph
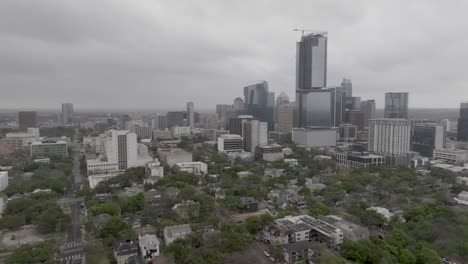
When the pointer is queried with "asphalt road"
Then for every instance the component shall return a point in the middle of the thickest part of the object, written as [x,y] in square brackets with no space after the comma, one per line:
[73,251]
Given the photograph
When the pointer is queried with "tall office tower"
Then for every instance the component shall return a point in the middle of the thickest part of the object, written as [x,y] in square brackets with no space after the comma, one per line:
[390,137]
[285,122]
[352,103]
[27,119]
[159,122]
[121,147]
[427,137]
[238,105]
[255,133]
[396,105]
[347,87]
[311,74]
[463,123]
[282,99]
[224,112]
[339,115]
[235,124]
[190,114]
[311,61]
[67,113]
[260,103]
[317,108]
[175,118]
[356,118]
[368,110]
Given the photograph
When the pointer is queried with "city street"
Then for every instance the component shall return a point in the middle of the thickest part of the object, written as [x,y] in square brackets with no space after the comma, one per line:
[73,251]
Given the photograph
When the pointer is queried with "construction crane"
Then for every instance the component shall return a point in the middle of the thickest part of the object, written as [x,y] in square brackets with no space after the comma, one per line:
[310,30]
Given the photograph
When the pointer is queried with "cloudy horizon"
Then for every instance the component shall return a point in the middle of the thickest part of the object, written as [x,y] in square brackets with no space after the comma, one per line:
[160,54]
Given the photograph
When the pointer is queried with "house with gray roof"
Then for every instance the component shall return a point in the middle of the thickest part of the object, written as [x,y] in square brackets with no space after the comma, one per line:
[124,250]
[172,233]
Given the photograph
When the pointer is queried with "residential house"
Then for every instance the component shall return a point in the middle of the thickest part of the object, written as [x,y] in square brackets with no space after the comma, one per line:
[124,250]
[187,209]
[149,246]
[249,204]
[172,233]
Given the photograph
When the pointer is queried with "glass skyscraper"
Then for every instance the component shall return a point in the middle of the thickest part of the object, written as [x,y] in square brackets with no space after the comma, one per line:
[462,134]
[260,103]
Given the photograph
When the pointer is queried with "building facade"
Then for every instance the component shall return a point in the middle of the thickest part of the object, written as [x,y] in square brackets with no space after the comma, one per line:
[236,124]
[456,156]
[396,105]
[195,167]
[27,119]
[49,148]
[255,133]
[230,143]
[427,137]
[359,159]
[260,103]
[462,134]
[67,113]
[159,122]
[368,110]
[390,137]
[315,136]
[190,114]
[285,118]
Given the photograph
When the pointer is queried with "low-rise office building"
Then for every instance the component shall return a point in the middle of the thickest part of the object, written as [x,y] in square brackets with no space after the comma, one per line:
[195,167]
[230,143]
[174,155]
[359,159]
[457,156]
[49,148]
[269,153]
[315,136]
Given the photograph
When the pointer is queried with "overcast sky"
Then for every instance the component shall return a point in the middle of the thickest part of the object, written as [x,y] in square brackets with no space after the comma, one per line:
[163,53]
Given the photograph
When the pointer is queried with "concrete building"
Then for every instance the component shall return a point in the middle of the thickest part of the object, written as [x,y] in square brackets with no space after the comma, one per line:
[285,120]
[121,152]
[230,143]
[174,155]
[213,134]
[359,159]
[172,233]
[236,124]
[180,131]
[315,136]
[269,153]
[67,113]
[27,119]
[368,110]
[293,229]
[348,132]
[125,250]
[95,179]
[195,167]
[427,137]
[3,180]
[390,137]
[351,231]
[154,169]
[20,140]
[144,132]
[396,105]
[224,112]
[456,156]
[190,114]
[355,117]
[187,209]
[255,133]
[49,148]
[159,122]
[149,246]
[292,162]
[462,134]
[162,134]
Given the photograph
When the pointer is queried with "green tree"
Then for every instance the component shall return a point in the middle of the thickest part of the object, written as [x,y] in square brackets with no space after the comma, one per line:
[253,224]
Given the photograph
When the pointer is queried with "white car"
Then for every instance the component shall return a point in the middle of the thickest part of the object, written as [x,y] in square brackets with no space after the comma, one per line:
[266,254]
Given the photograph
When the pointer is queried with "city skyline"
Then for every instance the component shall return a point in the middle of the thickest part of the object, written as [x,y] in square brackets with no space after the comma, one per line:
[117,62]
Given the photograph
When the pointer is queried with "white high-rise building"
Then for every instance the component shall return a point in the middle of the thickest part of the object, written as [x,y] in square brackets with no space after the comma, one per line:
[121,152]
[190,114]
[389,136]
[67,113]
[255,134]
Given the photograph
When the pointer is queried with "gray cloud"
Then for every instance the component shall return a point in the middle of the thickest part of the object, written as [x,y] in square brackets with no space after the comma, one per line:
[160,54]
